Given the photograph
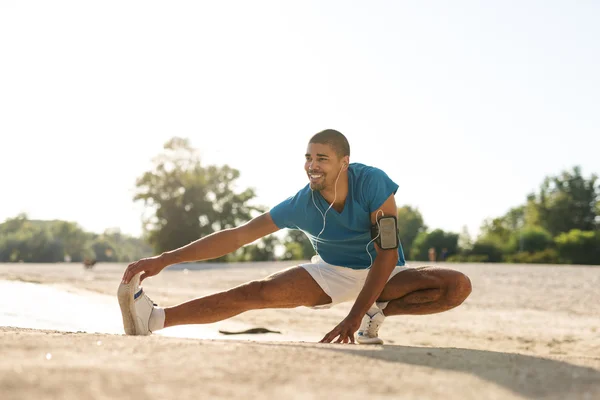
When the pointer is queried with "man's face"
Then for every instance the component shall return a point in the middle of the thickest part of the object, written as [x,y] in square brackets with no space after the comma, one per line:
[322,166]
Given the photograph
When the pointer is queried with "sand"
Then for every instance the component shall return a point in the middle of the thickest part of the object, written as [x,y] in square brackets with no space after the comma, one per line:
[525,332]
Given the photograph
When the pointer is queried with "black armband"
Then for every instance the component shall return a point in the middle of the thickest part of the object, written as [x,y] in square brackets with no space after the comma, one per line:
[385,232]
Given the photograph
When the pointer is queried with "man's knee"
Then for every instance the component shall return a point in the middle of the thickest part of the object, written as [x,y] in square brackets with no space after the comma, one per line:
[459,289]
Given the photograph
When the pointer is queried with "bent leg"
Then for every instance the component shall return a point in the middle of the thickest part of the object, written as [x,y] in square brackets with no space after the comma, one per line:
[290,288]
[425,290]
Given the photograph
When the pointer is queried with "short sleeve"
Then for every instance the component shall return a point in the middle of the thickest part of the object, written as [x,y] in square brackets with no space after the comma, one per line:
[282,214]
[377,188]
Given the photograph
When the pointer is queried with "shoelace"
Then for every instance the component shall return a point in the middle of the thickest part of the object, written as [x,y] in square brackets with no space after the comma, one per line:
[372,329]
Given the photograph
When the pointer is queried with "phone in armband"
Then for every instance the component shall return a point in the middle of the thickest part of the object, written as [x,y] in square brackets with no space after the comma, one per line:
[385,232]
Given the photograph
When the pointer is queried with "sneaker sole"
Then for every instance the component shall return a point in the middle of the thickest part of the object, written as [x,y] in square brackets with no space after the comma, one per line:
[125,295]
[370,341]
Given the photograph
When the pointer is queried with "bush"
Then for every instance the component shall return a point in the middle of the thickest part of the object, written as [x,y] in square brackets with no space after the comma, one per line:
[486,251]
[437,239]
[472,258]
[530,240]
[579,247]
[548,256]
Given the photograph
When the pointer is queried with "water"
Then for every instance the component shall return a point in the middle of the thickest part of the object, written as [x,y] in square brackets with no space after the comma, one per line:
[36,306]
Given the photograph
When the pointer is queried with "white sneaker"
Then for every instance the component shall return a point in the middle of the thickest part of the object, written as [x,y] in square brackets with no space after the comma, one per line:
[369,328]
[136,307]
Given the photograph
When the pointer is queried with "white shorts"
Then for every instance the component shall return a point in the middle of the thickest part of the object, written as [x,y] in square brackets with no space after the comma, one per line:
[340,283]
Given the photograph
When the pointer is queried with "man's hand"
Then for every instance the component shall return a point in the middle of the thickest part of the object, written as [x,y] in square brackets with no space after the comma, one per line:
[149,266]
[345,330]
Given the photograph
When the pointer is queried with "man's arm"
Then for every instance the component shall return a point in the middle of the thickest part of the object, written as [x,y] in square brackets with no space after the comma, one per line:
[383,265]
[207,248]
[223,242]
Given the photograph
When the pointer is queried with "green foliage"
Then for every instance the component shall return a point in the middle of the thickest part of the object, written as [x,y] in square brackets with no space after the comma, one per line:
[24,240]
[73,238]
[499,230]
[410,224]
[187,200]
[438,239]
[262,250]
[546,256]
[465,243]
[492,251]
[568,201]
[559,224]
[579,247]
[470,258]
[530,240]
[483,250]
[27,241]
[297,246]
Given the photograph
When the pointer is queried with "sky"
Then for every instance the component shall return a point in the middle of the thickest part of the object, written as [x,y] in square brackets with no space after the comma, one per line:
[467,105]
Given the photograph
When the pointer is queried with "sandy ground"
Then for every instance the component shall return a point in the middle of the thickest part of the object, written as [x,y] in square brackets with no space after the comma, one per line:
[525,332]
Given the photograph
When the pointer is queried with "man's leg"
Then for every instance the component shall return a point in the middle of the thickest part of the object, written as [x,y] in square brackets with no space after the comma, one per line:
[425,290]
[290,288]
[416,291]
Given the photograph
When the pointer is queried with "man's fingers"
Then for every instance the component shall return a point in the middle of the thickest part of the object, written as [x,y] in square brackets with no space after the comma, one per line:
[343,334]
[327,338]
[131,271]
[344,337]
[126,274]
[330,336]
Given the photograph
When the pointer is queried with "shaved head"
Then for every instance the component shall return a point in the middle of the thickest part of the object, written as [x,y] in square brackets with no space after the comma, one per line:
[334,139]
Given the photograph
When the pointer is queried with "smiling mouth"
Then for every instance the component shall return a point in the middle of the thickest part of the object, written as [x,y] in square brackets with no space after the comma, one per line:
[315,177]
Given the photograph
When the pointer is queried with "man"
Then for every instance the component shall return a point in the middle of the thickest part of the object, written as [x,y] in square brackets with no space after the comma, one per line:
[348,212]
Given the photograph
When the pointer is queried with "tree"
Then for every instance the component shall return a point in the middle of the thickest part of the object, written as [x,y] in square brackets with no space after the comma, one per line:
[72,237]
[410,224]
[438,239]
[122,247]
[485,251]
[105,249]
[530,239]
[27,240]
[568,201]
[465,243]
[579,247]
[500,230]
[262,250]
[12,225]
[187,200]
[297,246]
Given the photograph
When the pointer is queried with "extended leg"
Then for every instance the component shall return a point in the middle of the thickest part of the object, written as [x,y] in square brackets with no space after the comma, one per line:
[290,288]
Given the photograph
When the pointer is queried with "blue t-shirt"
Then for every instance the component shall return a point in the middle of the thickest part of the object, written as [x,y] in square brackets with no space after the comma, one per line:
[346,235]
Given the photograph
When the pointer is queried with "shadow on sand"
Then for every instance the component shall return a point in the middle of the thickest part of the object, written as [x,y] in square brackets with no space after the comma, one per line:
[528,376]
